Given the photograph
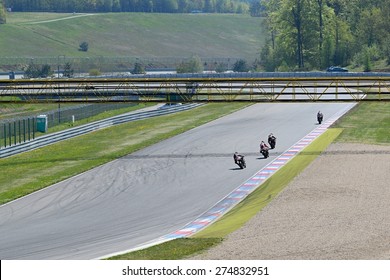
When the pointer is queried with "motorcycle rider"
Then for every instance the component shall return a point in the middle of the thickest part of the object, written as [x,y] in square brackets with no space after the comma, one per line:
[264,149]
[320,116]
[239,160]
[236,157]
[263,146]
[272,140]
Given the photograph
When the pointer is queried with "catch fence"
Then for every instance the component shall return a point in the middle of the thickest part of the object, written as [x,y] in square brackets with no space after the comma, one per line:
[19,130]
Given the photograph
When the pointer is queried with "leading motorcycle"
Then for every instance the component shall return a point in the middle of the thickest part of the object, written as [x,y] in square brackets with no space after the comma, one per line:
[320,117]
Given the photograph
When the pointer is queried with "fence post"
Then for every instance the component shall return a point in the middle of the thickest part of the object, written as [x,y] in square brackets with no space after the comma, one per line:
[5,136]
[15,132]
[9,134]
[20,133]
[24,130]
[28,129]
[34,127]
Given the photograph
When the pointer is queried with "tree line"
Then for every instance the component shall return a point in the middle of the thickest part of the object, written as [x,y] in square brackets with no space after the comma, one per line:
[314,34]
[149,6]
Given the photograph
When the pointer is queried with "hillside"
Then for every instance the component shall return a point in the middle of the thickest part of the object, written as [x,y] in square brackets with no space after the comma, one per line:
[141,35]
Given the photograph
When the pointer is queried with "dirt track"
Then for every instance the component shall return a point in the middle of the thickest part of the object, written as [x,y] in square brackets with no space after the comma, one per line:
[338,208]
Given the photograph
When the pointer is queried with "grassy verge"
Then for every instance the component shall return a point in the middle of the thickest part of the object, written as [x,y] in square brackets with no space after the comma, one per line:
[368,122]
[10,110]
[173,250]
[34,170]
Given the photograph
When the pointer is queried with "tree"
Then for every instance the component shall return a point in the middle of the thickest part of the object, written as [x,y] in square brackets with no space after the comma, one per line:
[83,47]
[2,13]
[194,65]
[68,70]
[240,66]
[36,71]
[138,69]
[267,57]
[257,8]
[94,72]
[221,67]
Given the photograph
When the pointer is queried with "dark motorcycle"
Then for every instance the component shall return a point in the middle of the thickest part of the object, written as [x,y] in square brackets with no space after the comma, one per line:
[265,152]
[272,142]
[320,117]
[241,162]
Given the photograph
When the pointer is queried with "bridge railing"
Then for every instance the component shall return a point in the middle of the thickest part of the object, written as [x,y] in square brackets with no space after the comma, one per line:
[254,87]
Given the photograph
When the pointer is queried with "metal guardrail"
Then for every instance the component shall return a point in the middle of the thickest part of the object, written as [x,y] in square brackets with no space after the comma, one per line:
[87,128]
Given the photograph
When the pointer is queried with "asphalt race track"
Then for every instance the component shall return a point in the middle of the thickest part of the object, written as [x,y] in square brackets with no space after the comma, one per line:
[148,194]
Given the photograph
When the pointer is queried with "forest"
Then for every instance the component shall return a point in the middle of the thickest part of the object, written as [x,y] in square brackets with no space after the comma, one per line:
[146,6]
[314,34]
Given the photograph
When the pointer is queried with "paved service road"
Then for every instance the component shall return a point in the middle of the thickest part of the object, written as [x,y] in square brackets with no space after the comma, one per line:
[153,192]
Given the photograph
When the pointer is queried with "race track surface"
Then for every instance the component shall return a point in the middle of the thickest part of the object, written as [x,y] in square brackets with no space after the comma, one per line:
[153,192]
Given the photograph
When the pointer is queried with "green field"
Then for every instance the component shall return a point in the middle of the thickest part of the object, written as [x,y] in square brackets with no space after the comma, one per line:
[131,35]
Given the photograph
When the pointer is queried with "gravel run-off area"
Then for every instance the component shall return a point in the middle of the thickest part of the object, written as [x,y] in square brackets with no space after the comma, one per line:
[336,209]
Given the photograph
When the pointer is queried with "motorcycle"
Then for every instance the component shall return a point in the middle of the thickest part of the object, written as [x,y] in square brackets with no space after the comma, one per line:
[272,142]
[320,118]
[265,152]
[241,162]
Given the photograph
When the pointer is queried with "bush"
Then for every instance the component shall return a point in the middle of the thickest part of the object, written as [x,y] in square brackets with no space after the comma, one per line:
[221,67]
[36,71]
[138,69]
[94,72]
[83,47]
[240,66]
[194,65]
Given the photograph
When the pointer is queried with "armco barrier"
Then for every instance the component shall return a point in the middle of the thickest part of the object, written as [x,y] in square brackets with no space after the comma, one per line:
[83,129]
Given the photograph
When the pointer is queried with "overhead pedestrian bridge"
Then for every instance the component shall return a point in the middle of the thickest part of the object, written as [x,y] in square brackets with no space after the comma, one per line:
[200,88]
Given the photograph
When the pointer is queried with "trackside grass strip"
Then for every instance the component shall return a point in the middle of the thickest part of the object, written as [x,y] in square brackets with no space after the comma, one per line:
[368,122]
[245,210]
[172,250]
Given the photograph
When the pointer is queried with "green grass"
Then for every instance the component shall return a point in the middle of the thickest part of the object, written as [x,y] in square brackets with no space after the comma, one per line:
[368,123]
[171,250]
[14,110]
[28,172]
[132,35]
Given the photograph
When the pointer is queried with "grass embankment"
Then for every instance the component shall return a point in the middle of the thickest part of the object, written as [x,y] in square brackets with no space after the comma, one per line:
[9,110]
[28,172]
[366,123]
[138,35]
